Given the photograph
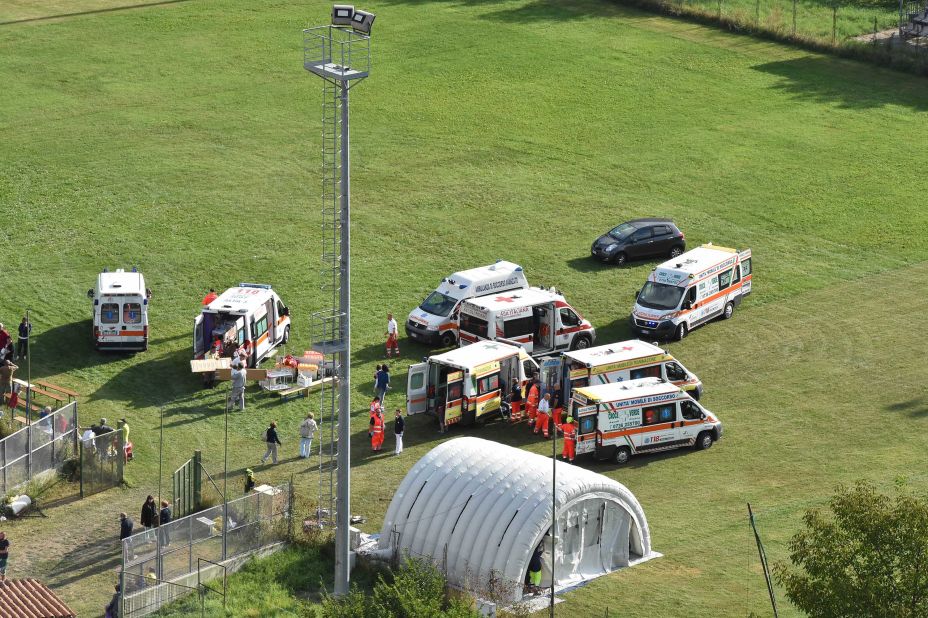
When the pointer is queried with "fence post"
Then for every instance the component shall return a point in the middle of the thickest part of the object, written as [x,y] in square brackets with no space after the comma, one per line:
[290,498]
[74,426]
[756,14]
[80,465]
[834,24]
[197,481]
[29,451]
[4,466]
[120,454]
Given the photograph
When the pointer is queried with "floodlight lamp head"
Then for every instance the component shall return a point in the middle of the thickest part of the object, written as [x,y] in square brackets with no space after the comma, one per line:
[362,21]
[342,14]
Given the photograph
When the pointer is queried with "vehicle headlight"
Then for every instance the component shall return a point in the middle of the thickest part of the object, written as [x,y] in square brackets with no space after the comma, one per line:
[612,247]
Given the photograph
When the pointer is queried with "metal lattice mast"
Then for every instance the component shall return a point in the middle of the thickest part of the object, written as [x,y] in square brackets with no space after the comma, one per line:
[341,57]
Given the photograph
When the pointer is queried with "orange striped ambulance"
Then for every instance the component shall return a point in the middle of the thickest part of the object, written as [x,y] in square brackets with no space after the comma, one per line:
[691,289]
[120,310]
[251,311]
[467,384]
[618,420]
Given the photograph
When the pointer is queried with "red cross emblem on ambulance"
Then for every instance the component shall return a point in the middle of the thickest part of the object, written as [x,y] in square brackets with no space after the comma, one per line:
[504,299]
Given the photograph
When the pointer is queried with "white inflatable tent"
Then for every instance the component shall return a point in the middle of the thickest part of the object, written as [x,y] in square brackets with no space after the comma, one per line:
[478,509]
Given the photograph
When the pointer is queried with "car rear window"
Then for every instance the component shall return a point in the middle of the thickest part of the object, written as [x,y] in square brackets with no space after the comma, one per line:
[660,230]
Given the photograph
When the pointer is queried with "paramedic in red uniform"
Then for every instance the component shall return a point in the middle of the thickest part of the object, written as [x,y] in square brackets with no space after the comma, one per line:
[570,439]
[210,297]
[377,431]
[515,403]
[531,404]
[544,412]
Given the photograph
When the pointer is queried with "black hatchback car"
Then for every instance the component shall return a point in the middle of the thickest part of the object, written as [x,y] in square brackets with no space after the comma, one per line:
[639,238]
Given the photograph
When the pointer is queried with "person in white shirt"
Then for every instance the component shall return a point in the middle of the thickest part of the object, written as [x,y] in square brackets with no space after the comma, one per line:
[544,414]
[392,336]
[307,431]
[237,397]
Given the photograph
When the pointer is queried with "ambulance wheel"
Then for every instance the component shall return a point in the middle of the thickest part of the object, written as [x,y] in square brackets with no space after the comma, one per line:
[286,336]
[620,259]
[448,339]
[729,311]
[622,455]
[580,343]
[703,441]
[681,331]
[676,251]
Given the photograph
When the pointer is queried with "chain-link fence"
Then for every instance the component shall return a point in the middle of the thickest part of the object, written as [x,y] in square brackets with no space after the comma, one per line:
[102,458]
[199,547]
[43,445]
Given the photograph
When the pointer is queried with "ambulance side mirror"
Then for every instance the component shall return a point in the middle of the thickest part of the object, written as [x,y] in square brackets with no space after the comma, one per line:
[286,311]
[687,304]
[637,293]
[90,293]
[702,415]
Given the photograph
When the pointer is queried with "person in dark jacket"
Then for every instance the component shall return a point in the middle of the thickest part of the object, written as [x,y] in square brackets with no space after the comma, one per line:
[249,480]
[164,518]
[273,441]
[534,570]
[149,512]
[399,426]
[112,608]
[125,531]
[22,343]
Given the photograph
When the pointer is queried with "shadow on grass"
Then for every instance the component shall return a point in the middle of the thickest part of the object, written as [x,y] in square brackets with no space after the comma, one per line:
[90,12]
[65,348]
[86,560]
[589,264]
[851,85]
[534,11]
[164,380]
[916,408]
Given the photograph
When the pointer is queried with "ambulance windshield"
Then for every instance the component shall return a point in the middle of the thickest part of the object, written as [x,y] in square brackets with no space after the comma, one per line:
[438,304]
[660,296]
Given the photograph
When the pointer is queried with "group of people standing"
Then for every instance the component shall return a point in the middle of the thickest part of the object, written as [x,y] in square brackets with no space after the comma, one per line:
[8,354]
[542,417]
[377,426]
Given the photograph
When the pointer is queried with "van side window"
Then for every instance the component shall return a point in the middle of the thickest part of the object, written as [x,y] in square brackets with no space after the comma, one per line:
[736,278]
[675,372]
[488,384]
[132,313]
[690,411]
[455,391]
[569,318]
[474,325]
[417,381]
[746,267]
[529,368]
[109,313]
[653,371]
[258,329]
[725,280]
[517,328]
[658,414]
[642,234]
[691,295]
[280,309]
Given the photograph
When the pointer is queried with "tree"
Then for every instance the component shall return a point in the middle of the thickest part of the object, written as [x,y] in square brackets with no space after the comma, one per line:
[868,557]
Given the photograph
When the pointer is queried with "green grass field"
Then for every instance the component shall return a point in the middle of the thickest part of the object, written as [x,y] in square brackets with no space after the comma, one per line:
[184,138]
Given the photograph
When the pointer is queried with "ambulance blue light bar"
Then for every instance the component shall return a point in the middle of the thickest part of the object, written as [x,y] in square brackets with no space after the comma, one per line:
[262,286]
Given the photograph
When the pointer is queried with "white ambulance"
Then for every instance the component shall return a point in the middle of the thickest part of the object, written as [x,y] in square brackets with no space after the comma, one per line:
[614,362]
[467,384]
[689,290]
[435,320]
[120,310]
[616,421]
[537,319]
[251,312]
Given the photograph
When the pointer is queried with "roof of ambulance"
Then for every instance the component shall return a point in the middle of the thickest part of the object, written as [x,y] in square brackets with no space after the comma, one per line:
[476,354]
[697,260]
[614,352]
[121,282]
[631,389]
[460,281]
[240,298]
[512,298]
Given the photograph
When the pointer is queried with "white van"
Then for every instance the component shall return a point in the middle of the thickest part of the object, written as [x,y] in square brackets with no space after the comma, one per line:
[252,312]
[690,290]
[649,415]
[614,362]
[120,310]
[434,321]
[537,319]
[467,384]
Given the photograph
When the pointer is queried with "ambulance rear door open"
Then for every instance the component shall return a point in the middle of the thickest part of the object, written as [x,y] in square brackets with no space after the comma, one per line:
[199,342]
[454,396]
[416,388]
[585,417]
[745,257]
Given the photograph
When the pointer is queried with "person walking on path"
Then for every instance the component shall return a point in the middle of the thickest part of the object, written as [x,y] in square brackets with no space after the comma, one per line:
[237,398]
[399,426]
[531,403]
[569,451]
[393,333]
[307,431]
[149,513]
[382,382]
[376,431]
[125,531]
[22,343]
[270,436]
[4,555]
[164,518]
[544,415]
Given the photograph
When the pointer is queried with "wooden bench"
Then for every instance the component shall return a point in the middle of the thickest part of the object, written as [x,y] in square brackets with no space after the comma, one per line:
[21,419]
[60,389]
[39,391]
[301,391]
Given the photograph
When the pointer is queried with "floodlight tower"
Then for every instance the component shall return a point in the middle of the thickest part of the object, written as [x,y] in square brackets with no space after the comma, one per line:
[340,54]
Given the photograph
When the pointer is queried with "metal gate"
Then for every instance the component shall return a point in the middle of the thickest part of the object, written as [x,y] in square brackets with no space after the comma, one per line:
[187,486]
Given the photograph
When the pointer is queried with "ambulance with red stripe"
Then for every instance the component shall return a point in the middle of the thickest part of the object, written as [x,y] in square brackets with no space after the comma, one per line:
[467,384]
[615,362]
[691,289]
[251,311]
[538,319]
[120,310]
[618,420]
[435,321]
